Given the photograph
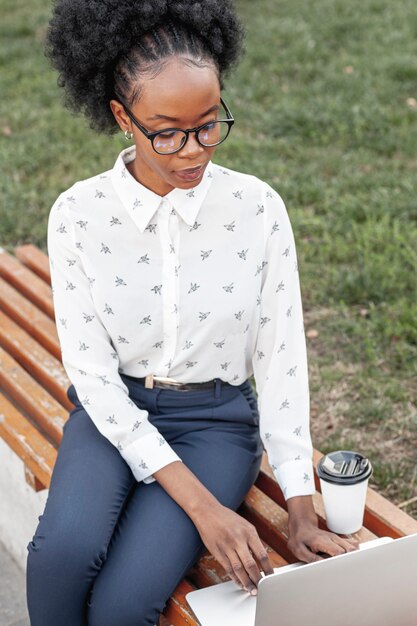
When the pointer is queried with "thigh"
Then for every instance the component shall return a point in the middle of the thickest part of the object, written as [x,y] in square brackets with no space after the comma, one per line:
[89,486]
[155,542]
[89,483]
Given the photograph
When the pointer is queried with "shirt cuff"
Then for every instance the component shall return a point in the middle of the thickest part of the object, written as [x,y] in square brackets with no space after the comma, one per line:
[296,478]
[147,455]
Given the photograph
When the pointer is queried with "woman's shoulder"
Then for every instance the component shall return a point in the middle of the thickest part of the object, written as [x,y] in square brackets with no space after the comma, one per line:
[245,182]
[221,171]
[75,196]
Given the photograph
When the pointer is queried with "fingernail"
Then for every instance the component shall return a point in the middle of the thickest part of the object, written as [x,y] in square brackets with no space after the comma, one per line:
[253,592]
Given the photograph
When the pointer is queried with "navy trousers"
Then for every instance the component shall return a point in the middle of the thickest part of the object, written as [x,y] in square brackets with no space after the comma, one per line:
[109,551]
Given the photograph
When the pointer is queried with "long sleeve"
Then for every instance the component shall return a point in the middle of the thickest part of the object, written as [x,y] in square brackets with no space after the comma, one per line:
[280,357]
[90,359]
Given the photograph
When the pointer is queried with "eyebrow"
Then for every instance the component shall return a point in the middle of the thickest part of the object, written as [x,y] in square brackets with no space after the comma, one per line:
[158,116]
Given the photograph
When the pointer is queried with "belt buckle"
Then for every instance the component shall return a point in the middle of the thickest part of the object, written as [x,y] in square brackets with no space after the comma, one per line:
[151,381]
[167,380]
[149,384]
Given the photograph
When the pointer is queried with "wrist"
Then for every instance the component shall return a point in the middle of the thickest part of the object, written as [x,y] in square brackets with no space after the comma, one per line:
[200,508]
[187,491]
[301,512]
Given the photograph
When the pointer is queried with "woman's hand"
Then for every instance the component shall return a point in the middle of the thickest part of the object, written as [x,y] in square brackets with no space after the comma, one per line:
[306,539]
[230,539]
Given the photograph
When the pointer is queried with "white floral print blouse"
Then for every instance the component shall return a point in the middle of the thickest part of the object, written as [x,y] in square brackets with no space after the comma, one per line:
[195,285]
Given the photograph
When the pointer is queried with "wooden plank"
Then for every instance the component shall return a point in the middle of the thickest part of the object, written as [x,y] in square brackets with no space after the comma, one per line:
[32,480]
[177,610]
[29,317]
[30,396]
[26,282]
[386,519]
[382,517]
[25,440]
[42,366]
[35,260]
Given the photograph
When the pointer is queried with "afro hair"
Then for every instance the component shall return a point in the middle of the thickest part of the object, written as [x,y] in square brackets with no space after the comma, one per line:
[101,47]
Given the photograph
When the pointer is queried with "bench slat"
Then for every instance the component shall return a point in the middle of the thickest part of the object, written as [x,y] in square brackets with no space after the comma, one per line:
[27,282]
[30,318]
[29,395]
[32,480]
[25,440]
[34,259]
[384,518]
[45,368]
[177,610]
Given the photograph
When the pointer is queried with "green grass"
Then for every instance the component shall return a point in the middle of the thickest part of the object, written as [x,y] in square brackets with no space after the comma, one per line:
[324,112]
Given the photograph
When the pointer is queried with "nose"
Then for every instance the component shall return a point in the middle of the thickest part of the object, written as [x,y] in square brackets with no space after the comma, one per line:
[192,147]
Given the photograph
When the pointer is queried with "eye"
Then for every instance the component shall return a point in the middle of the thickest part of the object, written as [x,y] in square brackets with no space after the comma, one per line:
[167,136]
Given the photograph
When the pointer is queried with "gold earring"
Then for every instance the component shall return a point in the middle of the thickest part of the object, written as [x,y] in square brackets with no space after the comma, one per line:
[128,135]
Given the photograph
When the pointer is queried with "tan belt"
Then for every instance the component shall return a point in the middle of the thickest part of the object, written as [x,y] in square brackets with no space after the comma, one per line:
[150,381]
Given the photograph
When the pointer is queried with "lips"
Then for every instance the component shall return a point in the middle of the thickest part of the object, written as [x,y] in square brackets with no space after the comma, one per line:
[191,173]
[190,170]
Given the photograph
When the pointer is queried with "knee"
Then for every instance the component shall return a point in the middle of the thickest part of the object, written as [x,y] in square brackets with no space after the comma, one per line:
[51,551]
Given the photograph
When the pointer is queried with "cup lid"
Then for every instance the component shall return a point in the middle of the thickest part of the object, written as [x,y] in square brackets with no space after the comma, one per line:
[344,467]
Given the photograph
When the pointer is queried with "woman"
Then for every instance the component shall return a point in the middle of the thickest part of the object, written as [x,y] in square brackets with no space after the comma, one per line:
[174,279]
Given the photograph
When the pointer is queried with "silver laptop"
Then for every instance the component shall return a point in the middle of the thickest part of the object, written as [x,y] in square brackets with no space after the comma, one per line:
[373,586]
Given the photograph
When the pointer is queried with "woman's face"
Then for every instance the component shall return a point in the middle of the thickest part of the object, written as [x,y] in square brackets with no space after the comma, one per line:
[181,96]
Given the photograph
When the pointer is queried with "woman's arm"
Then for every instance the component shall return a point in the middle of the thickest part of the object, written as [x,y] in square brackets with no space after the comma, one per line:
[280,357]
[88,354]
[228,536]
[234,541]
[281,375]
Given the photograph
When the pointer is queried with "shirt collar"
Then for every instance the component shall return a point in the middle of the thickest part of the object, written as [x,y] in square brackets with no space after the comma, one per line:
[142,203]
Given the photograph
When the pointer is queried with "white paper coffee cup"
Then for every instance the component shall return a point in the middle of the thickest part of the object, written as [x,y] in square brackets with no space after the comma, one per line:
[344,479]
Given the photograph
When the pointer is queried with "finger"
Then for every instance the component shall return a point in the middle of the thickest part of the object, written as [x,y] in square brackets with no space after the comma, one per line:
[332,544]
[261,555]
[236,581]
[303,553]
[225,563]
[326,544]
[250,564]
[239,570]
[347,545]
[241,573]
[329,547]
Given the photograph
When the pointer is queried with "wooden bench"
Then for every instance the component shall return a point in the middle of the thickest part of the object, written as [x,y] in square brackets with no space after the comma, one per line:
[34,407]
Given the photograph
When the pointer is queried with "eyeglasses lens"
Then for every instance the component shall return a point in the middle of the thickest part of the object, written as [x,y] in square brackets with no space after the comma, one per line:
[211,134]
[165,143]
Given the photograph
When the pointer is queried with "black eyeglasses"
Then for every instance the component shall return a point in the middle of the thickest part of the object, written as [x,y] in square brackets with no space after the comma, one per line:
[171,140]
